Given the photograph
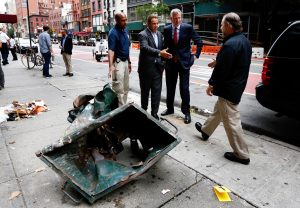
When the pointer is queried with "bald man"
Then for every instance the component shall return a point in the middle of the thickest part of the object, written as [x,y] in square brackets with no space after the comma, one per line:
[118,57]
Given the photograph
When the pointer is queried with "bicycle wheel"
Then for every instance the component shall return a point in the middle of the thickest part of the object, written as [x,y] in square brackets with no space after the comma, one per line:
[39,61]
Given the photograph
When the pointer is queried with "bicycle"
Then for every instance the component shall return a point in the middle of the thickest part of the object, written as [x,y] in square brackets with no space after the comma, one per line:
[31,59]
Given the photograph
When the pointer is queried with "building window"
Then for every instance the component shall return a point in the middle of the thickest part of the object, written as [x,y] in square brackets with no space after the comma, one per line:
[37,19]
[93,7]
[99,5]
[104,4]
[113,3]
[104,15]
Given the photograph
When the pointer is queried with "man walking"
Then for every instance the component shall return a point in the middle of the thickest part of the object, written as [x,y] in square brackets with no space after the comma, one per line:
[178,38]
[151,66]
[66,46]
[13,47]
[5,46]
[46,50]
[228,82]
[118,57]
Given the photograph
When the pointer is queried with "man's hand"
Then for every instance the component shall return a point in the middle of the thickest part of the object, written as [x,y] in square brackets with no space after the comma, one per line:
[195,58]
[209,90]
[129,67]
[112,68]
[165,54]
[212,64]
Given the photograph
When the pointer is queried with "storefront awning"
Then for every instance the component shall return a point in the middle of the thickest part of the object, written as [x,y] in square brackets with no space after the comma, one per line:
[81,33]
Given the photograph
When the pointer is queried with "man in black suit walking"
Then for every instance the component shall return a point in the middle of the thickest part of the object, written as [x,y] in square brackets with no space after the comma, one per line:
[66,46]
[151,65]
[178,37]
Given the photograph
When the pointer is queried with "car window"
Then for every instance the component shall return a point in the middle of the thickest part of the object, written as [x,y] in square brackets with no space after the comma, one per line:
[288,45]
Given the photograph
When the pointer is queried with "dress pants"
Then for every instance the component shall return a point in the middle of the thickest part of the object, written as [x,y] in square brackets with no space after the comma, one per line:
[151,82]
[4,53]
[13,53]
[47,57]
[2,80]
[120,81]
[173,69]
[228,113]
[67,60]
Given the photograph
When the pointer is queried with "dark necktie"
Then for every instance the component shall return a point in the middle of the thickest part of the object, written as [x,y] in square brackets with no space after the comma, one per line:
[175,36]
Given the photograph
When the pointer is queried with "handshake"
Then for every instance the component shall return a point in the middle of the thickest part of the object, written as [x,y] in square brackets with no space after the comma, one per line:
[165,54]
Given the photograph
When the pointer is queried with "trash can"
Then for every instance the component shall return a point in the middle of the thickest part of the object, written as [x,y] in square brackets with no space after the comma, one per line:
[97,156]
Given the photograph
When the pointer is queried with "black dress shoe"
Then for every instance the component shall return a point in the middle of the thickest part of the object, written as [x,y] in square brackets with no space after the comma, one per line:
[66,74]
[167,112]
[155,115]
[232,157]
[187,118]
[198,126]
[70,74]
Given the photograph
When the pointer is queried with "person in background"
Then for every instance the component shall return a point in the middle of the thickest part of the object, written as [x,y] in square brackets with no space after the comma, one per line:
[13,47]
[46,50]
[228,82]
[118,57]
[5,46]
[177,38]
[151,65]
[2,80]
[66,46]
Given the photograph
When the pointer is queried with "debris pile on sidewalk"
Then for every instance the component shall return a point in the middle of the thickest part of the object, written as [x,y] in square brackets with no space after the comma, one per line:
[17,110]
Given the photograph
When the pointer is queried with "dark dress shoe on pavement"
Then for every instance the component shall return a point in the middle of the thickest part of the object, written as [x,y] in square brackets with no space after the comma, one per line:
[232,157]
[167,112]
[187,118]
[49,76]
[155,116]
[70,74]
[66,74]
[198,126]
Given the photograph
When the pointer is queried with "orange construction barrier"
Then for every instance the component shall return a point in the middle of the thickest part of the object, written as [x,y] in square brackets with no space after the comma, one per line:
[135,46]
[207,49]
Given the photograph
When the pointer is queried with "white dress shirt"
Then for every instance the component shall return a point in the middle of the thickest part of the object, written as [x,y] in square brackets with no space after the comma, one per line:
[3,37]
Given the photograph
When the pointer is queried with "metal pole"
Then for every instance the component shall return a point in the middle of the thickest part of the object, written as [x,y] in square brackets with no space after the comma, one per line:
[28,22]
[248,26]
[218,30]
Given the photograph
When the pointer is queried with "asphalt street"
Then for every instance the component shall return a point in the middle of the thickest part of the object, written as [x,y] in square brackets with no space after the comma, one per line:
[255,117]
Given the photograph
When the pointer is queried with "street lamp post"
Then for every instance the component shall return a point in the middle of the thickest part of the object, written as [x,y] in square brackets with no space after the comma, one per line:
[28,22]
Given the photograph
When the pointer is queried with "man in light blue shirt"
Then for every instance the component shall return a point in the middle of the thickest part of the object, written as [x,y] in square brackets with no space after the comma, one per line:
[46,50]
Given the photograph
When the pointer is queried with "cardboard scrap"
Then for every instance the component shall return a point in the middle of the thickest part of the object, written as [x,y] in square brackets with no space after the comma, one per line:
[222,193]
[14,195]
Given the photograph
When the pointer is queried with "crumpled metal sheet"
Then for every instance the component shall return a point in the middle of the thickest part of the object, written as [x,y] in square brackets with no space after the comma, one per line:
[96,155]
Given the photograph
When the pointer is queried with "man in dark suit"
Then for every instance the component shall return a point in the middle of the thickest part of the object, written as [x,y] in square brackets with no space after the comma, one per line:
[151,65]
[177,38]
[66,46]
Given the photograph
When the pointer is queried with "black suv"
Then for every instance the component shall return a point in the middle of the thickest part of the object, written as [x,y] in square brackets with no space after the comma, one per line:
[280,86]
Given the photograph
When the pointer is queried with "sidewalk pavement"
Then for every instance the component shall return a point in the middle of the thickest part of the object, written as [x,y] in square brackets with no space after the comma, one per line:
[190,170]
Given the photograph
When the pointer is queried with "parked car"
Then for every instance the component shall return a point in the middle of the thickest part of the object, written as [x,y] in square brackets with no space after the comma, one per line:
[22,44]
[279,89]
[75,42]
[81,42]
[91,42]
[101,49]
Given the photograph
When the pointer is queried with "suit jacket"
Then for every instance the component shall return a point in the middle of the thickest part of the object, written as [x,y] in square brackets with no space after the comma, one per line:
[68,45]
[183,48]
[149,59]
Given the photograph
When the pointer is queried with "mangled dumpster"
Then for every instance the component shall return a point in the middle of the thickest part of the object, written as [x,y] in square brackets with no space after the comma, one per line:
[103,150]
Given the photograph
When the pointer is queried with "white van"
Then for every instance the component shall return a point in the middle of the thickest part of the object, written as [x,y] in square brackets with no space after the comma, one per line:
[101,49]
